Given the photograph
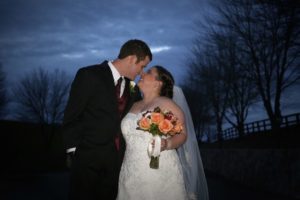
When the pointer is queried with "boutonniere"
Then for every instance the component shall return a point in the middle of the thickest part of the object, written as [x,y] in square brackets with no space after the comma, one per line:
[132,85]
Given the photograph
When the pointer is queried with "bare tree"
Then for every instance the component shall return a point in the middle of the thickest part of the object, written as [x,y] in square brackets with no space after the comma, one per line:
[3,94]
[41,96]
[220,70]
[269,31]
[199,107]
[242,92]
[58,96]
[209,75]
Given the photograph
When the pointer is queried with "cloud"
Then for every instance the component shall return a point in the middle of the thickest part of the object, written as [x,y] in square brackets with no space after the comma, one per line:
[72,55]
[67,33]
[160,49]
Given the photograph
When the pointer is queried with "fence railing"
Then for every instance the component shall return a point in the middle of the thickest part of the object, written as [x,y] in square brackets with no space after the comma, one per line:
[262,125]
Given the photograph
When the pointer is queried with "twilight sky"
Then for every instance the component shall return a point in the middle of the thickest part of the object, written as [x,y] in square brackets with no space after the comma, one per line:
[69,34]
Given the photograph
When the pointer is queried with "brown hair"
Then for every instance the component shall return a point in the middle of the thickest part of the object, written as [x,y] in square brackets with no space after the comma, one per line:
[135,47]
[167,79]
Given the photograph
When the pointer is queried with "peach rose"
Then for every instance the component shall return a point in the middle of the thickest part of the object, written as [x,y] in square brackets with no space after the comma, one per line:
[144,123]
[177,128]
[156,118]
[165,126]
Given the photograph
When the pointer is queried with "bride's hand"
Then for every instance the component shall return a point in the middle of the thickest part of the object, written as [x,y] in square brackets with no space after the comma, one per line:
[163,144]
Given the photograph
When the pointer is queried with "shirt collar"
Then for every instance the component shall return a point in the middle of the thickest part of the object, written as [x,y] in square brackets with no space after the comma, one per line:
[114,72]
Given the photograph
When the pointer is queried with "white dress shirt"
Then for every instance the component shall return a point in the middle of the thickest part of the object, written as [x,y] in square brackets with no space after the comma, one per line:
[116,76]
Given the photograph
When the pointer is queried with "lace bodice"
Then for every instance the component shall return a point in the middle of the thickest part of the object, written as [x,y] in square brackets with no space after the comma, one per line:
[137,180]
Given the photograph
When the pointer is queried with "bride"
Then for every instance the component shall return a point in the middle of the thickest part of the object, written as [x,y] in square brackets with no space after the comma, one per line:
[137,180]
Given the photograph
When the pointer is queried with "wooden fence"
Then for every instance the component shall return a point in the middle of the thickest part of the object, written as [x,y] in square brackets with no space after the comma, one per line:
[261,126]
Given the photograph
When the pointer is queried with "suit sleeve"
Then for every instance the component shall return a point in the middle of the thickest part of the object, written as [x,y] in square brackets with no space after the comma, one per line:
[79,95]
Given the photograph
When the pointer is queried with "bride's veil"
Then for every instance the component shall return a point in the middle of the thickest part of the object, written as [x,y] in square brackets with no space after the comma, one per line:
[189,154]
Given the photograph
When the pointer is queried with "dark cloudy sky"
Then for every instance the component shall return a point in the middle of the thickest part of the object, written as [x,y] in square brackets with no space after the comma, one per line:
[69,34]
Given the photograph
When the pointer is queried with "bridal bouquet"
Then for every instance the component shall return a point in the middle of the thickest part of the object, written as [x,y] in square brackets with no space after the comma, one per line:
[159,123]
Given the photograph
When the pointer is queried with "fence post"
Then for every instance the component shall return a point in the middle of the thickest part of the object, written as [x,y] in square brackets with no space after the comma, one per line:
[264,124]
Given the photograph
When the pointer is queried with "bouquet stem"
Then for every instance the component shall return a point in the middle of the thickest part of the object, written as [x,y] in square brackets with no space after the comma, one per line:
[154,162]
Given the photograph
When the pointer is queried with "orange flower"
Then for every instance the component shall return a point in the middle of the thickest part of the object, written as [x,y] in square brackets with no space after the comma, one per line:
[156,118]
[176,129]
[144,123]
[165,126]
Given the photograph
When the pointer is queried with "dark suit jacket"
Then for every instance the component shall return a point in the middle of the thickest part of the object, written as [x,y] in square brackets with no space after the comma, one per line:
[91,118]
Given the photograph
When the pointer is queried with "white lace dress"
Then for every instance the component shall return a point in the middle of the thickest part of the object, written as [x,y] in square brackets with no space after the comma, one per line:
[137,180]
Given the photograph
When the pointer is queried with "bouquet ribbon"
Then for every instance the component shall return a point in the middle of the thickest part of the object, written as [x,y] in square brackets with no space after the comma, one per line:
[154,151]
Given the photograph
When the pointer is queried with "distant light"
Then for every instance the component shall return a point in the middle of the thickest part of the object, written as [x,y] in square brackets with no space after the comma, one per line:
[160,49]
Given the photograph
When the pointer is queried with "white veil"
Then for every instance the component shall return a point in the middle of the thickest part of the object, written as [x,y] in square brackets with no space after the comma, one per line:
[189,154]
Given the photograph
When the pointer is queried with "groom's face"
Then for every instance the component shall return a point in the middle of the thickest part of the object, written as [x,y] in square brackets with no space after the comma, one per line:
[138,67]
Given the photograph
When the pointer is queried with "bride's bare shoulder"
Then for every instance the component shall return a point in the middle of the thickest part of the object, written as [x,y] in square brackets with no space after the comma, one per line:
[135,107]
[163,99]
[167,103]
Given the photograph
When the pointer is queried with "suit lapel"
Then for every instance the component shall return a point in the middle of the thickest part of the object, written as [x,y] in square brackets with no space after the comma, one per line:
[111,89]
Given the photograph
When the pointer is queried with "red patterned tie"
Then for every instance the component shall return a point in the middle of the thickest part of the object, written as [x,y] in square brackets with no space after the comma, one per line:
[121,106]
[118,87]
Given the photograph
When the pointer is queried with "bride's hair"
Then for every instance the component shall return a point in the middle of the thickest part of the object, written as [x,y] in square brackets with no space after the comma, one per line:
[167,79]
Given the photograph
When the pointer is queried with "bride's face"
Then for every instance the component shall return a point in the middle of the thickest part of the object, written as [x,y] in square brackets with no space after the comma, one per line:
[149,79]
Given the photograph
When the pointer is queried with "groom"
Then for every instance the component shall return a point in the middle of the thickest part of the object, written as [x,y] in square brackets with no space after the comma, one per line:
[100,96]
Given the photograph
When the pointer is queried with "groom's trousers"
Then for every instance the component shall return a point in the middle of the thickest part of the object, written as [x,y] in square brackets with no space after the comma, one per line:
[94,174]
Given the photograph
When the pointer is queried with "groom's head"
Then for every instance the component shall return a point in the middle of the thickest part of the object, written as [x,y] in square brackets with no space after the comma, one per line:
[134,56]
[135,47]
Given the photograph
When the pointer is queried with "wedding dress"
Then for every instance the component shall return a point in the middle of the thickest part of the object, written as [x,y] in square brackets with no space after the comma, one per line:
[137,180]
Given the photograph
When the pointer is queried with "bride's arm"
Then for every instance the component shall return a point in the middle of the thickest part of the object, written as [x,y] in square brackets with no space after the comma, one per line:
[178,139]
[173,142]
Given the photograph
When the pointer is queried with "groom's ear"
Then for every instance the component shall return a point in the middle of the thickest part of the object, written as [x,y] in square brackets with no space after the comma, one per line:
[132,59]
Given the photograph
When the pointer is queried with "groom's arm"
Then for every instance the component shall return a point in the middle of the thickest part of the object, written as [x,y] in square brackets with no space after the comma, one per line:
[72,124]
